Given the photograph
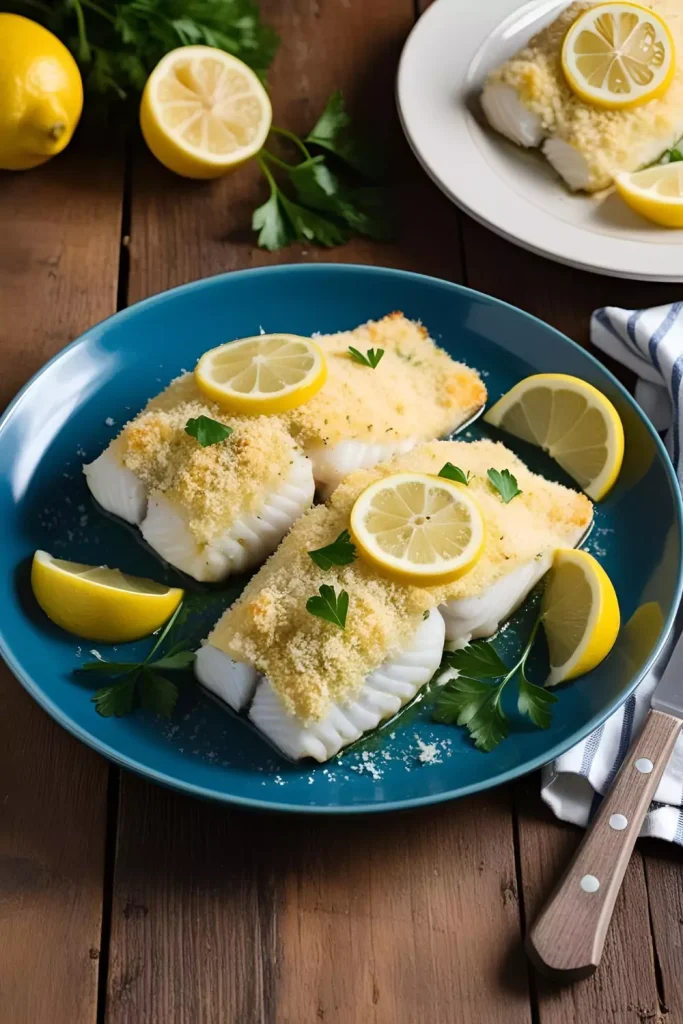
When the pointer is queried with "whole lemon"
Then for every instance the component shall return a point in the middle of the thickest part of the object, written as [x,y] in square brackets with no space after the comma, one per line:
[41,94]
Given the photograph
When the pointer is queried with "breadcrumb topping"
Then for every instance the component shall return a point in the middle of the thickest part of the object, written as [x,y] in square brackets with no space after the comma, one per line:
[416,391]
[216,484]
[313,663]
[609,140]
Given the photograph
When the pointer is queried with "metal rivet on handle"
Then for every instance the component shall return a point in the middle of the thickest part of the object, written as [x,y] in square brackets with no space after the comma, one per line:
[644,765]
[589,883]
[618,822]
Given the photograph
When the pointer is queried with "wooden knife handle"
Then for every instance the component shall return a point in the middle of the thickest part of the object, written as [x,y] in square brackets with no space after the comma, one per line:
[568,936]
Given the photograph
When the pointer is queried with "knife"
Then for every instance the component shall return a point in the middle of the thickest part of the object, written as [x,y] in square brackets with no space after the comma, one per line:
[568,936]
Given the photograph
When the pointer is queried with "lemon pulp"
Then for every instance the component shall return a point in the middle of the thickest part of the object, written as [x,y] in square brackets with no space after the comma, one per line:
[571,420]
[619,55]
[418,528]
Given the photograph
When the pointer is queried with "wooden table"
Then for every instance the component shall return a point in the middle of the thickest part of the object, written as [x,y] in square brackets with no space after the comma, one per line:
[123,903]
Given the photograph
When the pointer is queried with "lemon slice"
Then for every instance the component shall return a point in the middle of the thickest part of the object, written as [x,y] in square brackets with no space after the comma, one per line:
[580,615]
[417,528]
[204,112]
[99,603]
[656,193]
[569,419]
[271,373]
[619,55]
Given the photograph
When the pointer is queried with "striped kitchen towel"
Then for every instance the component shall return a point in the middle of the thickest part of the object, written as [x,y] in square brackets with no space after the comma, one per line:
[649,342]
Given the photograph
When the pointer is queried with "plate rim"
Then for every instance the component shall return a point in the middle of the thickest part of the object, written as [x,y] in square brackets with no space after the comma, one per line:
[493,225]
[63,719]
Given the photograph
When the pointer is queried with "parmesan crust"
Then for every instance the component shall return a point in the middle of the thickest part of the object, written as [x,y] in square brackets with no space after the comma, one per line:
[609,140]
[416,391]
[216,484]
[312,663]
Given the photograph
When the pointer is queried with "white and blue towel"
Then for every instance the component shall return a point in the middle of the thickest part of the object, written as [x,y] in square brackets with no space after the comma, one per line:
[649,342]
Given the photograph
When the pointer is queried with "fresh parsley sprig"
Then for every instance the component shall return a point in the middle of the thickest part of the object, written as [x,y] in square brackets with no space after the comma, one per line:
[371,357]
[474,701]
[341,551]
[451,472]
[142,684]
[505,483]
[207,431]
[325,204]
[117,43]
[329,606]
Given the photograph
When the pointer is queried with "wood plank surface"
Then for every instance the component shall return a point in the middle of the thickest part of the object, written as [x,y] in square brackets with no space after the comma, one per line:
[222,916]
[59,252]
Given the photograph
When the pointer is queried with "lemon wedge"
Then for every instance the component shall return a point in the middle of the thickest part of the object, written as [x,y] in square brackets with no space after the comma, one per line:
[619,55]
[580,615]
[656,193]
[418,528]
[97,603]
[204,112]
[268,374]
[569,419]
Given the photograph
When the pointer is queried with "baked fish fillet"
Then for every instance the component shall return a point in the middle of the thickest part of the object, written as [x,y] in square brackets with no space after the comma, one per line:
[312,687]
[363,416]
[528,100]
[211,511]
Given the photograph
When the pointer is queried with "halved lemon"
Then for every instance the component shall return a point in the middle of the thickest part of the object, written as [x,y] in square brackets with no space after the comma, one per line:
[619,55]
[418,528]
[204,112]
[580,615]
[656,193]
[98,603]
[569,419]
[268,374]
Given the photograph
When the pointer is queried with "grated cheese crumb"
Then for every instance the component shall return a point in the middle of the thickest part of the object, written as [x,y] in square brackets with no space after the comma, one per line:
[214,484]
[416,391]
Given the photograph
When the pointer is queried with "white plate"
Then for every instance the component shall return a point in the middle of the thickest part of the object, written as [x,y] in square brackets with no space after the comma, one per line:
[513,191]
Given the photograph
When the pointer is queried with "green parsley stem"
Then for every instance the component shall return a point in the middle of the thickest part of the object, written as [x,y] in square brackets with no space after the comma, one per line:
[83,45]
[286,134]
[98,10]
[282,164]
[522,658]
[266,172]
[164,633]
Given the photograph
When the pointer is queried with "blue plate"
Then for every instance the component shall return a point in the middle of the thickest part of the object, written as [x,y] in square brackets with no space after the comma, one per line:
[67,414]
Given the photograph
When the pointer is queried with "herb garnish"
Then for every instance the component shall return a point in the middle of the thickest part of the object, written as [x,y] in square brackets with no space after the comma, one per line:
[475,703]
[342,551]
[451,472]
[328,606]
[371,357]
[505,483]
[332,203]
[117,45]
[141,684]
[207,431]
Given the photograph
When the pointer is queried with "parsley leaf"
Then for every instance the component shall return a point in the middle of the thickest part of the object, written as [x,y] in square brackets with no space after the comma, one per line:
[328,606]
[536,702]
[505,483]
[117,699]
[158,694]
[451,472]
[340,552]
[117,45]
[330,204]
[371,357]
[141,684]
[472,700]
[478,660]
[207,431]
[333,132]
